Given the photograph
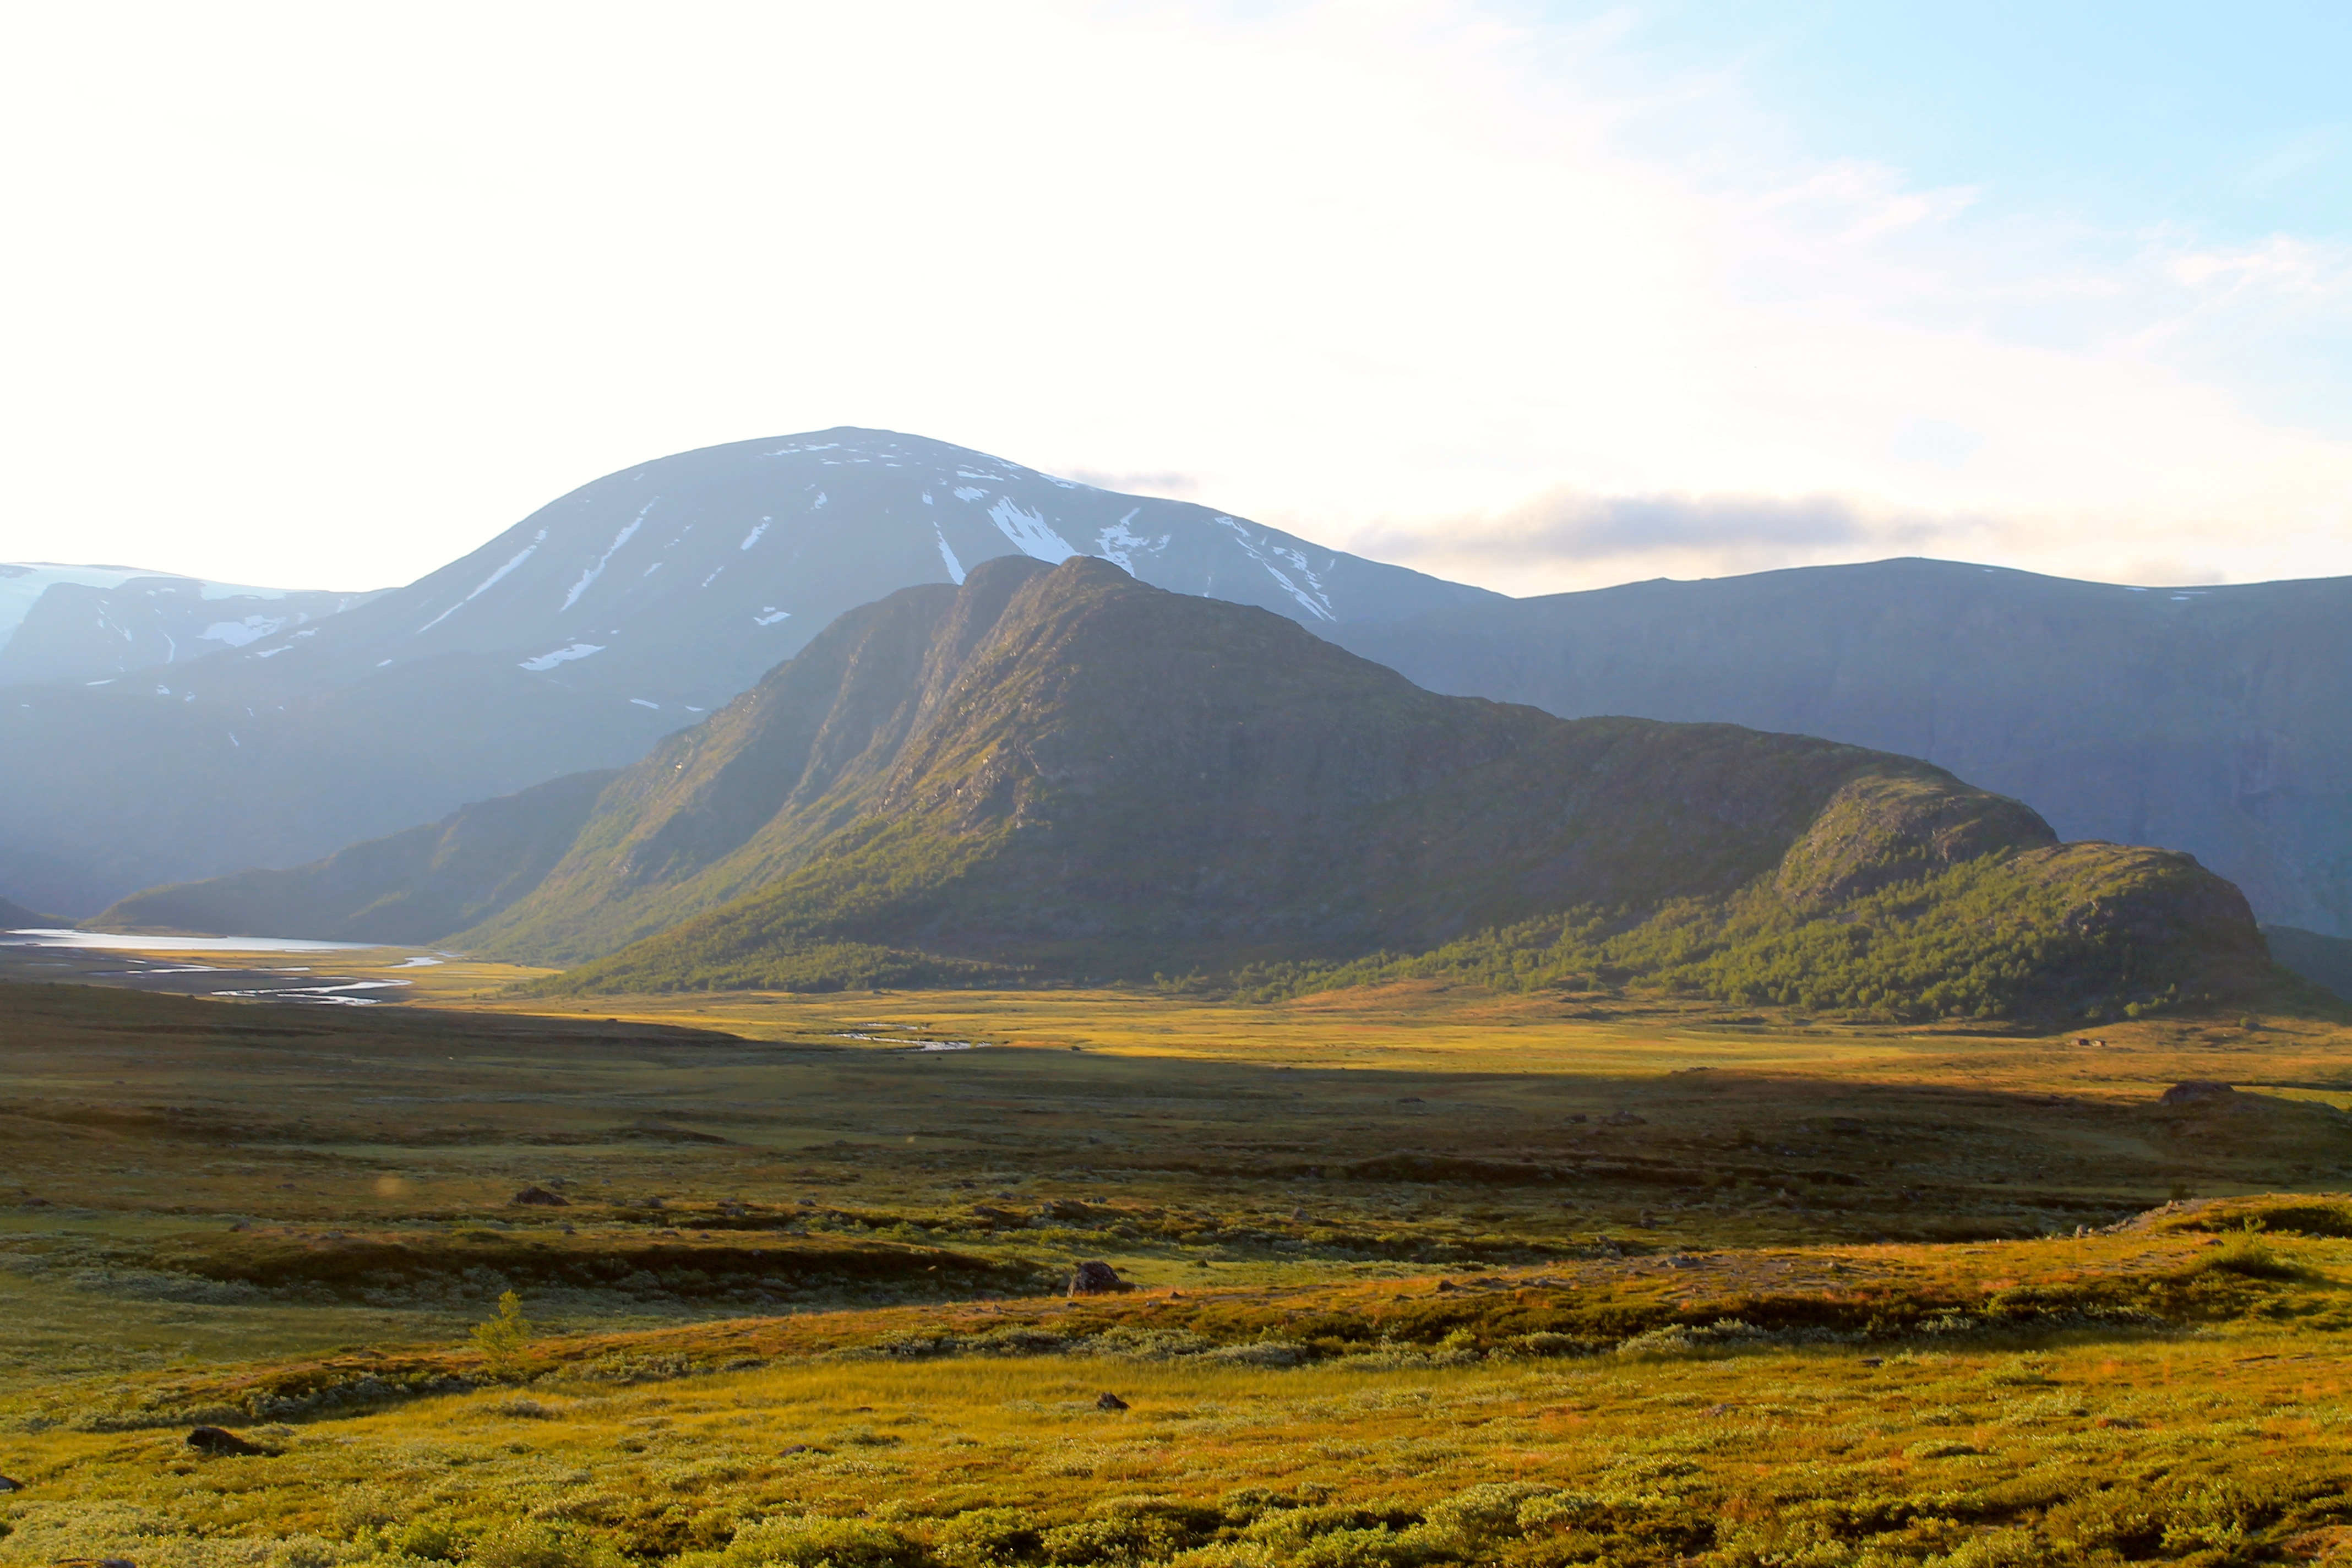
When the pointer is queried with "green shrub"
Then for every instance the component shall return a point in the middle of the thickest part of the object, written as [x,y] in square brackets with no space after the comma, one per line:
[986,1537]
[2250,1253]
[815,1542]
[528,1543]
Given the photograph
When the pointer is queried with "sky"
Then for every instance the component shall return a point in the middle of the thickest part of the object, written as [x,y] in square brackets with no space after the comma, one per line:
[1540,296]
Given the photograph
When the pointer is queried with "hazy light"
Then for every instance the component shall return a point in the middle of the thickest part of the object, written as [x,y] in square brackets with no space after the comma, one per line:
[324,296]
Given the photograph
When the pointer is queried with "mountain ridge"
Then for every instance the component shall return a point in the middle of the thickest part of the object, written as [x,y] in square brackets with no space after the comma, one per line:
[1117,779]
[2208,719]
[574,640]
[1059,773]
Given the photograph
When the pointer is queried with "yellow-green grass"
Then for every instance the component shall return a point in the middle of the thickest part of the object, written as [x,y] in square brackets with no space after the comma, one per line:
[240,1211]
[2232,1444]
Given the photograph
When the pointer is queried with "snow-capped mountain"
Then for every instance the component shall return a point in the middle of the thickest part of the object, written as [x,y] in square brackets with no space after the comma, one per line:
[576,639]
[92,623]
[678,582]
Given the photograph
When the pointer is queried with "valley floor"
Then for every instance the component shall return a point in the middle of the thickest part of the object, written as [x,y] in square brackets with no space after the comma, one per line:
[1420,1276]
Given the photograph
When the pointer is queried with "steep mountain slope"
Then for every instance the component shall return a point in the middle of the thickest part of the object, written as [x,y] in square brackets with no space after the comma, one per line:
[573,641]
[1070,773]
[16,917]
[92,623]
[2214,721]
[410,887]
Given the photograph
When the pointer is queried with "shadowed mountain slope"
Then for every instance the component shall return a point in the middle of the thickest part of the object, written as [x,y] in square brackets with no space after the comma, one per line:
[409,888]
[1068,773]
[2215,721]
[2325,961]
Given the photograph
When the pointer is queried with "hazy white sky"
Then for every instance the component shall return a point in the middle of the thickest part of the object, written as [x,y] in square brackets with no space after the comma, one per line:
[1536,297]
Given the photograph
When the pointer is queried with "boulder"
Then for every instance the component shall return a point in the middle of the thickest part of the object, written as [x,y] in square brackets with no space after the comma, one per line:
[541,1197]
[219,1440]
[1096,1278]
[1110,1402]
[10,1484]
[2195,1090]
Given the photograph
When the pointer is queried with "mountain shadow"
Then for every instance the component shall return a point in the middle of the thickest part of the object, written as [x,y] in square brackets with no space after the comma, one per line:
[408,888]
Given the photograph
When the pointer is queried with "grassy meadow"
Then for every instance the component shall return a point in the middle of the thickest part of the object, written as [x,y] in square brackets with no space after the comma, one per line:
[1421,1274]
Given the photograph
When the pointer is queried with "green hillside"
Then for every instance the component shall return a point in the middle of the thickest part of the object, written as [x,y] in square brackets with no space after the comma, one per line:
[411,887]
[1068,775]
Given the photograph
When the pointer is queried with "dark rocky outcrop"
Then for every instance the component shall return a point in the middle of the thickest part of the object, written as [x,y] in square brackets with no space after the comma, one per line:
[219,1441]
[1096,1278]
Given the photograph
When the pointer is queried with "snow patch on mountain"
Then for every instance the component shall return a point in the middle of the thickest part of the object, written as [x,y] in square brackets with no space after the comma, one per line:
[955,567]
[253,628]
[487,583]
[1312,598]
[753,537]
[1118,543]
[550,660]
[612,550]
[1030,534]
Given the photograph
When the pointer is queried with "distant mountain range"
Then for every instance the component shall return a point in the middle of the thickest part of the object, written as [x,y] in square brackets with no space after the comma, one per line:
[574,641]
[2209,720]
[1065,774]
[92,624]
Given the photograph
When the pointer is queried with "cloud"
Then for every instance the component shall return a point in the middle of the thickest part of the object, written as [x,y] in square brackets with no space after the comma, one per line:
[1574,537]
[1567,538]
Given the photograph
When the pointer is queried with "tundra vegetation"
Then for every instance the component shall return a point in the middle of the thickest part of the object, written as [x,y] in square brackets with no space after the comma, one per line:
[1419,1273]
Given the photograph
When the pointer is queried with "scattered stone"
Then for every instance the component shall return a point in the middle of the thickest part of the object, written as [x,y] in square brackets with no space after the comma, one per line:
[1718,1410]
[793,1448]
[1096,1278]
[10,1484]
[218,1441]
[2195,1090]
[541,1197]
[1577,1117]
[1447,1285]
[1873,1360]
[1624,1119]
[1110,1402]
[1409,1099]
